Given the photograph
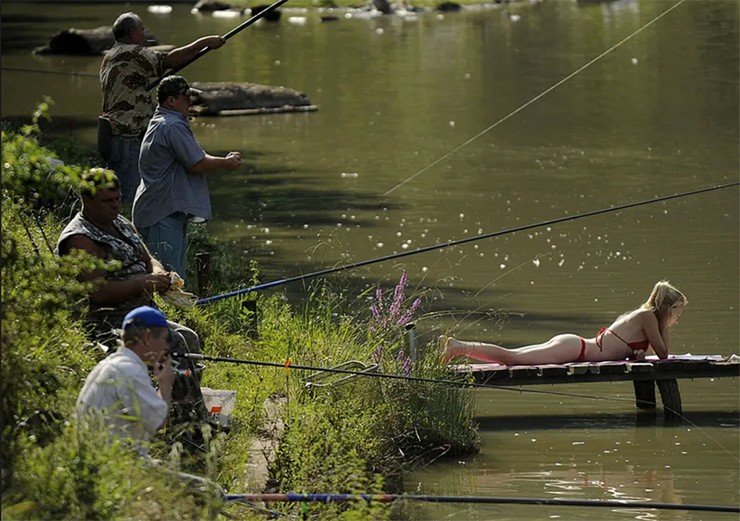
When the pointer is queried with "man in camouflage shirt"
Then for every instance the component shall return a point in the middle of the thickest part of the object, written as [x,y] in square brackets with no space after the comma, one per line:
[126,70]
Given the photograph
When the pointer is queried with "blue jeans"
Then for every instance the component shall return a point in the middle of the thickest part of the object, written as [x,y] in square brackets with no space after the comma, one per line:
[167,241]
[124,161]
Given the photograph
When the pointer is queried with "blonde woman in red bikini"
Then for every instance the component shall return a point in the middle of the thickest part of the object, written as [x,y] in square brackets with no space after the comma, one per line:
[629,336]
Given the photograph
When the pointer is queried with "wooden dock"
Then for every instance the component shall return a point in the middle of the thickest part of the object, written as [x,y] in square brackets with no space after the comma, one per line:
[646,375]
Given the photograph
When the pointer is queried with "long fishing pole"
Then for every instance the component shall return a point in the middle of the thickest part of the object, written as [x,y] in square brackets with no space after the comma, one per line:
[455,383]
[456,242]
[64,73]
[372,374]
[496,500]
[226,36]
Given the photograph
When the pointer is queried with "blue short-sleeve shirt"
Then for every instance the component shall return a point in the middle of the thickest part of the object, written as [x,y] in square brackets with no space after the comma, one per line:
[168,152]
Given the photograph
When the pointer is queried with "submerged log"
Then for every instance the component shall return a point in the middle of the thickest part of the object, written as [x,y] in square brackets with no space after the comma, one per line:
[272,16]
[209,6]
[384,6]
[449,7]
[232,98]
[84,42]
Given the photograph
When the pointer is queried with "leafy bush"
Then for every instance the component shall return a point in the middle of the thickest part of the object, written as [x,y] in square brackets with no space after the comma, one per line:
[81,475]
[48,472]
[32,174]
[357,435]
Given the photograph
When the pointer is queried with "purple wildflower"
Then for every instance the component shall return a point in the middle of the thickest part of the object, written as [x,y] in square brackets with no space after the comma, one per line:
[378,353]
[386,315]
[406,367]
[406,318]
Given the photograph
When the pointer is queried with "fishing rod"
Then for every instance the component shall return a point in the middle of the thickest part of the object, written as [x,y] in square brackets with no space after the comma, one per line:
[226,36]
[454,383]
[287,365]
[456,242]
[64,73]
[496,500]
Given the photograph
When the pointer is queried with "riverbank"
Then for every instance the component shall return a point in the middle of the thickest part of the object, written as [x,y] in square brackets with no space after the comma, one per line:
[358,436]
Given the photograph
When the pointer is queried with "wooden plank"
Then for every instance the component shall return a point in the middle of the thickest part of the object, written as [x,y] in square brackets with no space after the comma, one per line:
[552,371]
[612,368]
[575,369]
[639,367]
[600,372]
[492,376]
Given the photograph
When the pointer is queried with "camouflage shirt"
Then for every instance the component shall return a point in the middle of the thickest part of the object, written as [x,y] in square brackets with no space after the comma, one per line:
[124,73]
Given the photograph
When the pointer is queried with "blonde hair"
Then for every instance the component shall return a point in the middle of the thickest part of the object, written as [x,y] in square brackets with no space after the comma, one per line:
[663,297]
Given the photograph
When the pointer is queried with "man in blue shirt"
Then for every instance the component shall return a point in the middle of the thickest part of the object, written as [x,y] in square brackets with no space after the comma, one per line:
[173,189]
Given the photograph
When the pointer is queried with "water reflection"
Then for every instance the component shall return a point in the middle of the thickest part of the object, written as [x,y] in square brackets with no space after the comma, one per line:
[560,447]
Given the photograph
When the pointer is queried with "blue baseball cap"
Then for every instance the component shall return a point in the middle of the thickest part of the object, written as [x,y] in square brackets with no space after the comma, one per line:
[145,316]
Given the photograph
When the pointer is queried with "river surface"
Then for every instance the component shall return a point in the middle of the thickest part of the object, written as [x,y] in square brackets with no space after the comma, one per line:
[439,127]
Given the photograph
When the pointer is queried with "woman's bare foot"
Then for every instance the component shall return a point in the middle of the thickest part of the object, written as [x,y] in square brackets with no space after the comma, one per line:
[447,348]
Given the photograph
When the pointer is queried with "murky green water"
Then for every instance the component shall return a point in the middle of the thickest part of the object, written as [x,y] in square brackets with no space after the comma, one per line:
[407,150]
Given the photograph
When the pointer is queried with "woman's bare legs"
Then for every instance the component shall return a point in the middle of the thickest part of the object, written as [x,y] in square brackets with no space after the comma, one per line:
[559,349]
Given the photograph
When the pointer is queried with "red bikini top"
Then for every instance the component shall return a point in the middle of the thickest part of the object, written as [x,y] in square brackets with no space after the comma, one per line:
[635,346]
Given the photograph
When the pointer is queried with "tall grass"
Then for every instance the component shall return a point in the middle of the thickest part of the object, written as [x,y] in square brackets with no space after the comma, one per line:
[356,435]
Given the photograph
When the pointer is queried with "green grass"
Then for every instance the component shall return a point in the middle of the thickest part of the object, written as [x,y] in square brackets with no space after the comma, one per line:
[360,436]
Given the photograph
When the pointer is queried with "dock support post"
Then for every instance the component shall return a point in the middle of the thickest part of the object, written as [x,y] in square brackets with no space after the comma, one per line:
[203,266]
[411,339]
[644,394]
[671,398]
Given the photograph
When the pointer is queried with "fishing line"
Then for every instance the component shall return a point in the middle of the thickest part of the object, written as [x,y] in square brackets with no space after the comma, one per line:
[389,498]
[64,73]
[452,383]
[538,96]
[226,36]
[30,238]
[43,233]
[371,374]
[456,242]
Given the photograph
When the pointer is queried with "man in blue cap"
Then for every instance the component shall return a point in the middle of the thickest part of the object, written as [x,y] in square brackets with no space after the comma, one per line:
[119,389]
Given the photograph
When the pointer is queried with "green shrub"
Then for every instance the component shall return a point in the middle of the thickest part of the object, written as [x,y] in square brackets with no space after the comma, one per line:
[33,175]
[355,435]
[81,475]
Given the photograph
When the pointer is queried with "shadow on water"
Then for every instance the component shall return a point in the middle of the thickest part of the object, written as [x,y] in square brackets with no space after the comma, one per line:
[26,31]
[724,419]
[58,126]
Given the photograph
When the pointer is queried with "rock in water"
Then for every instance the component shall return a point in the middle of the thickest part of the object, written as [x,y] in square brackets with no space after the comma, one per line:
[272,16]
[209,6]
[84,42]
[233,98]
